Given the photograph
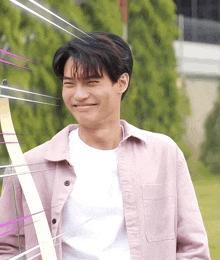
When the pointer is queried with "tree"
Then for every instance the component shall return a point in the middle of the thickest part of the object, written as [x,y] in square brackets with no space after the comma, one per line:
[211,146]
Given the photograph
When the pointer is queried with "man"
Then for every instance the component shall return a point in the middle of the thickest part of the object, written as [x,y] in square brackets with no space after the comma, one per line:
[122,192]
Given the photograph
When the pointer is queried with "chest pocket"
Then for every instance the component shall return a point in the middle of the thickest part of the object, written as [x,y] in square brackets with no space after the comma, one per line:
[159,210]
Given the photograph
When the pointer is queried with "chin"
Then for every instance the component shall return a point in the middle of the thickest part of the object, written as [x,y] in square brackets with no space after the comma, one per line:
[86,121]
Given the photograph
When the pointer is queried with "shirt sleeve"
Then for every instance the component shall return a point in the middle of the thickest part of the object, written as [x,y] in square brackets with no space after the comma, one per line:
[192,240]
[11,231]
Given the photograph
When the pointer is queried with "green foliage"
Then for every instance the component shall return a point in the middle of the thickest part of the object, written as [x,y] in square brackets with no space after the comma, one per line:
[207,191]
[211,146]
[198,170]
[103,15]
[154,102]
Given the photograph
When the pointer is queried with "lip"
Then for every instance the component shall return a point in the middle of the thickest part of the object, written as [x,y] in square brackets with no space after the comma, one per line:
[84,106]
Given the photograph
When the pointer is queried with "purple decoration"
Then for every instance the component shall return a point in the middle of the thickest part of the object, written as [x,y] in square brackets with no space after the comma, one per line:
[14,221]
[9,53]
[4,61]
[6,134]
[1,235]
[11,142]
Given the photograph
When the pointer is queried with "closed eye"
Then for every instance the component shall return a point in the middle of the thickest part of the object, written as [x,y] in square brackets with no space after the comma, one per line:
[93,81]
[69,84]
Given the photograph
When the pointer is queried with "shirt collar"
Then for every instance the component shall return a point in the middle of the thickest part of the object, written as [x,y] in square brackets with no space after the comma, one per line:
[58,146]
[130,130]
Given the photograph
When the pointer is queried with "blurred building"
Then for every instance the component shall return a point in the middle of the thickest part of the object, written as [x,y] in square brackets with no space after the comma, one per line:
[202,9]
[198,59]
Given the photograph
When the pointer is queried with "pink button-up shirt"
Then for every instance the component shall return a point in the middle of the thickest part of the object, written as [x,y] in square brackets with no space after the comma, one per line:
[162,215]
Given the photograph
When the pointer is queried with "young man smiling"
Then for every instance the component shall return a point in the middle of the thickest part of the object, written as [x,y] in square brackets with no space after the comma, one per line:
[95,102]
[133,185]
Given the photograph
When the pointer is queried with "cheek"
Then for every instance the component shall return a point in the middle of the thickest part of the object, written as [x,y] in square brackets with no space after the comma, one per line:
[67,93]
[66,97]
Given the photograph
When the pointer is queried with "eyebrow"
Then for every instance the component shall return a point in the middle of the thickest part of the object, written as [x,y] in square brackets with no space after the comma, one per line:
[68,78]
[94,77]
[89,77]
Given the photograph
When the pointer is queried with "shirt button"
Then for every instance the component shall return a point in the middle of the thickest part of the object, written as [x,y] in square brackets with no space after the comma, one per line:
[66,183]
[54,221]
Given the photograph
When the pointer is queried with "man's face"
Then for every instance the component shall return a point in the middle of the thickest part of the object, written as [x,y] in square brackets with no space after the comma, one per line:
[92,101]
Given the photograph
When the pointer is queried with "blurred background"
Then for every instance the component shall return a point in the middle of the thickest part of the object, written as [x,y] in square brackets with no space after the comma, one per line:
[175,86]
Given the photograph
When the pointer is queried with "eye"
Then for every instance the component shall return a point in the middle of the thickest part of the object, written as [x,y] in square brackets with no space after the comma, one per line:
[93,81]
[68,84]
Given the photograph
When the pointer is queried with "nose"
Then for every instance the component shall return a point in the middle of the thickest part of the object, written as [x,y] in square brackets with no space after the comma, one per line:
[80,93]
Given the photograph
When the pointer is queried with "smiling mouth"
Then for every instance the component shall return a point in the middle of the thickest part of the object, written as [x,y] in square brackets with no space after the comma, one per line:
[85,105]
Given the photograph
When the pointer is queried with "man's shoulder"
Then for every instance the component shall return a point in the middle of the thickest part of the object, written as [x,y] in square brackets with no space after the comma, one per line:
[39,152]
[151,137]
[157,143]
[154,137]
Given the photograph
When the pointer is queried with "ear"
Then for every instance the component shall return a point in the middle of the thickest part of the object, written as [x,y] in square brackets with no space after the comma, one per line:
[123,82]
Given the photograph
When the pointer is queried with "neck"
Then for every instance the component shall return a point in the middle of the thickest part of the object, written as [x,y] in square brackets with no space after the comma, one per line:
[102,137]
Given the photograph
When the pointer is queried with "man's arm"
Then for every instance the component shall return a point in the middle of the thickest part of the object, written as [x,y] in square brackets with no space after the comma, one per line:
[192,241]
[9,211]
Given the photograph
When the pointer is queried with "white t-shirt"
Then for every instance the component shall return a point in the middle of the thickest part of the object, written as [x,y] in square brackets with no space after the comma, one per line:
[96,195]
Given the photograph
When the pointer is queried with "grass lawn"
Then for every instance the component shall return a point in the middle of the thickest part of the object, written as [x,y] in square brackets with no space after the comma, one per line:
[207,191]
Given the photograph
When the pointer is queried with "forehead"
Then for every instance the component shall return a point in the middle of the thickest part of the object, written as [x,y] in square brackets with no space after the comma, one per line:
[76,69]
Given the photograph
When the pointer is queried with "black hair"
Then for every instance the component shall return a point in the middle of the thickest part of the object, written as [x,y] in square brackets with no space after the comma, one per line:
[94,52]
